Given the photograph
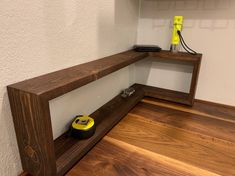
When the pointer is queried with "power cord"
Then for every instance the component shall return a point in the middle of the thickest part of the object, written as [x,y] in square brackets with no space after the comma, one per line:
[184,45]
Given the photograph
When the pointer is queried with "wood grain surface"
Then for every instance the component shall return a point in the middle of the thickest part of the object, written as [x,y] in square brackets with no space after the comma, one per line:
[166,94]
[179,56]
[57,83]
[34,134]
[164,139]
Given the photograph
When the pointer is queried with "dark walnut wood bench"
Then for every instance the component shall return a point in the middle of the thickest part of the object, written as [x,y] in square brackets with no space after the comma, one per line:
[29,100]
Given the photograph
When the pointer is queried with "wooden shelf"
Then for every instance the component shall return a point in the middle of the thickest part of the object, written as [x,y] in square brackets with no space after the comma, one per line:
[180,56]
[60,82]
[175,96]
[166,94]
[29,100]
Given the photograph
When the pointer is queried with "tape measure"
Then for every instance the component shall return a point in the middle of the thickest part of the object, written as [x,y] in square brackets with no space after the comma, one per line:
[82,127]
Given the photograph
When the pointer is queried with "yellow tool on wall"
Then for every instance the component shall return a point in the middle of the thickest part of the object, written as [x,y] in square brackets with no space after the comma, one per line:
[177,24]
[177,37]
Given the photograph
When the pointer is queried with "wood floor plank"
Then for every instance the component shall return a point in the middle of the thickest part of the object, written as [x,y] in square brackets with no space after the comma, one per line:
[177,144]
[188,121]
[116,158]
[159,138]
[211,110]
[170,162]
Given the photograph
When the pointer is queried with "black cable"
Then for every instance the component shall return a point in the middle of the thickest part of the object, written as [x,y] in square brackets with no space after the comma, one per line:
[184,45]
[186,48]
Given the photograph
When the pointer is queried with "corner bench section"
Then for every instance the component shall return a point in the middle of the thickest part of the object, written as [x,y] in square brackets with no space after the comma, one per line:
[29,102]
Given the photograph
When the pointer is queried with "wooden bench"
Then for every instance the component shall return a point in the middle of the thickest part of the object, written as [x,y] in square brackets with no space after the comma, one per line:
[29,100]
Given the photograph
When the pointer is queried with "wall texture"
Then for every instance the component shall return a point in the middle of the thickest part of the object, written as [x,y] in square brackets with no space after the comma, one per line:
[37,37]
[209,28]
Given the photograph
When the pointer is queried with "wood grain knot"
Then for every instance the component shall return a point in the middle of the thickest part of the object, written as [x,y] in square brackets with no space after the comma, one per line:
[95,75]
[31,153]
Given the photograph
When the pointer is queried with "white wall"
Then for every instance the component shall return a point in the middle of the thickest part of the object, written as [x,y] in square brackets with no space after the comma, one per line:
[209,28]
[37,37]
[88,98]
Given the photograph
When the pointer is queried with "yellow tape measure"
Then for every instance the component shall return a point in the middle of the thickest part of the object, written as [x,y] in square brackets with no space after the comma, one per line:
[82,127]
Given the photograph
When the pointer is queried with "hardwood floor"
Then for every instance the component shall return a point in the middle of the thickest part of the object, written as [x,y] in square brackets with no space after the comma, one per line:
[163,139]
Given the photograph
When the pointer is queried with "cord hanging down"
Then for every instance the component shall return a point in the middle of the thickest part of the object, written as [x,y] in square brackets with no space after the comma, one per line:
[184,45]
